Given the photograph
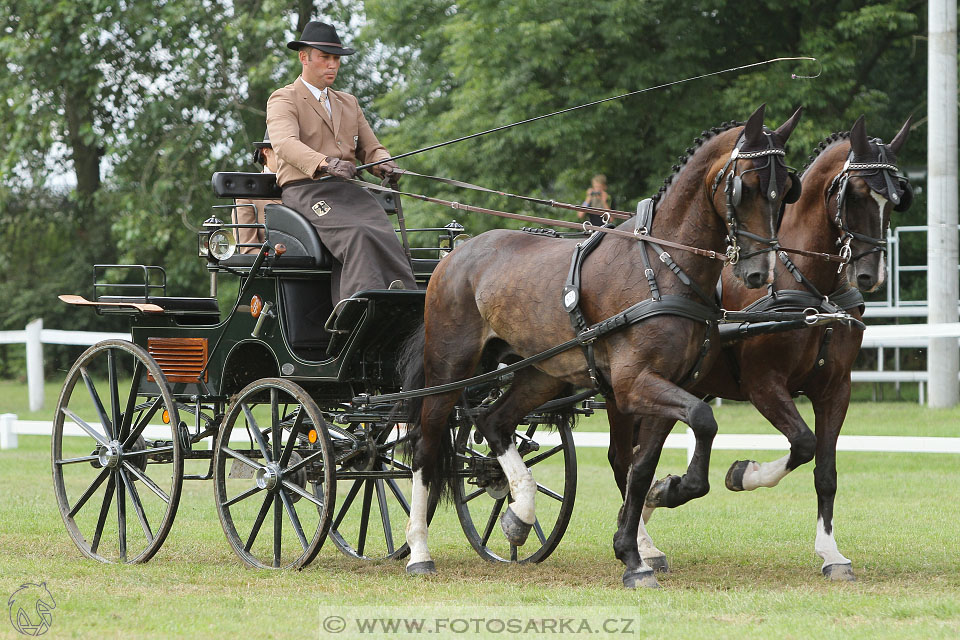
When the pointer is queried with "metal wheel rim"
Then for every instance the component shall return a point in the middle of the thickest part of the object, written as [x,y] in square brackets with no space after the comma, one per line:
[118,484]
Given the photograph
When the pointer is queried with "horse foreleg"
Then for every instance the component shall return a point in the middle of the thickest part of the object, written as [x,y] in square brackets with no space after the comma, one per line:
[773,401]
[830,411]
[420,562]
[623,431]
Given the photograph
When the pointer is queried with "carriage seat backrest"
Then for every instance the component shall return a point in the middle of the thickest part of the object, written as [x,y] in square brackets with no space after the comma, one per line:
[286,226]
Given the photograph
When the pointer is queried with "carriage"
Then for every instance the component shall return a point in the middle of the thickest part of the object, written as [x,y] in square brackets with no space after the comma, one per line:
[259,397]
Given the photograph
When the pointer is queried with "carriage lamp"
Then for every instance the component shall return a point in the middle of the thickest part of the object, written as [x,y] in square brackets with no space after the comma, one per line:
[222,244]
[446,242]
[203,236]
[460,239]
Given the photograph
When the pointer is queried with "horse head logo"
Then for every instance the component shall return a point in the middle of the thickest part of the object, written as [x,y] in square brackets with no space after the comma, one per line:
[30,609]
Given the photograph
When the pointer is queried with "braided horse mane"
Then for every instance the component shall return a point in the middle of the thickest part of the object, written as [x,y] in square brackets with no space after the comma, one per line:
[825,144]
[682,160]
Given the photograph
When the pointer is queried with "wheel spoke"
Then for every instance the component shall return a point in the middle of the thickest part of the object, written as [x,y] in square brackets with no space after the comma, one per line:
[296,467]
[294,520]
[86,427]
[90,490]
[543,456]
[137,506]
[364,516]
[143,421]
[277,529]
[122,520]
[539,531]
[549,492]
[147,481]
[153,451]
[258,523]
[114,396]
[473,494]
[76,460]
[399,495]
[292,442]
[302,493]
[131,400]
[385,516]
[242,458]
[242,496]
[97,403]
[347,502]
[275,422]
[104,509]
[492,521]
[254,429]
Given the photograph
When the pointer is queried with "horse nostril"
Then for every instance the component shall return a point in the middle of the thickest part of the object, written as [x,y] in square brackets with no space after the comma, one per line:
[755,280]
[864,280]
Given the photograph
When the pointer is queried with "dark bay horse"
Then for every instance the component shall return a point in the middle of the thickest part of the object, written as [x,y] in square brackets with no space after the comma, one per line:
[849,188]
[503,290]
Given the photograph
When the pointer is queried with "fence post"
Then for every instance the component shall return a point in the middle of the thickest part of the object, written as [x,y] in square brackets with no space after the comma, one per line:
[8,439]
[35,364]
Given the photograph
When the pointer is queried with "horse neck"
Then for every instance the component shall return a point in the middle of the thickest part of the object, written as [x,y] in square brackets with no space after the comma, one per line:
[686,214]
[807,224]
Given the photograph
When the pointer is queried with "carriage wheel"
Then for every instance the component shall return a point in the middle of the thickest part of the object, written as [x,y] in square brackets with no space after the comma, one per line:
[274,458]
[481,495]
[375,483]
[128,458]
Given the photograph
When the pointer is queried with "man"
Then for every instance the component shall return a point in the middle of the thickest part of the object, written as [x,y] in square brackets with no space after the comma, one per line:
[251,211]
[317,133]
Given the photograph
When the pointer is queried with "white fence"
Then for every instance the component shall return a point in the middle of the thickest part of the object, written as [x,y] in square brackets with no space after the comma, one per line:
[34,336]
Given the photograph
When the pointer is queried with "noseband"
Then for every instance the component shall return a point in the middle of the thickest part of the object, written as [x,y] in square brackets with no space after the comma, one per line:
[733,190]
[840,183]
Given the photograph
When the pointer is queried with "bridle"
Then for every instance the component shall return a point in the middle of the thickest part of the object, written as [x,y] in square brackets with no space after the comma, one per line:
[734,192]
[840,183]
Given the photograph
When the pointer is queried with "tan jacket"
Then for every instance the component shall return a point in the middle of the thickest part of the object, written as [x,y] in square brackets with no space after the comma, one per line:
[304,135]
[246,215]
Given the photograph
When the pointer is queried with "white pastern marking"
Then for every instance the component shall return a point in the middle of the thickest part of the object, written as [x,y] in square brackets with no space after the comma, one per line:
[417,524]
[523,487]
[645,544]
[826,546]
[882,270]
[767,474]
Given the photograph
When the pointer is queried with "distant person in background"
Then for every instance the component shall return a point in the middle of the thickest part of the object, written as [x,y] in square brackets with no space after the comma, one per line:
[597,198]
[264,155]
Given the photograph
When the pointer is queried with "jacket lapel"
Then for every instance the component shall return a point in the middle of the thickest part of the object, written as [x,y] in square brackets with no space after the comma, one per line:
[318,108]
[336,106]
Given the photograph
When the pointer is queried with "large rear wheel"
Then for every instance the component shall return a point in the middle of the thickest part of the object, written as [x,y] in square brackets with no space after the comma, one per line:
[118,484]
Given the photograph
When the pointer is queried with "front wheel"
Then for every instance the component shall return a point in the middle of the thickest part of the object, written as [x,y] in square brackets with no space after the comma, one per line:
[274,476]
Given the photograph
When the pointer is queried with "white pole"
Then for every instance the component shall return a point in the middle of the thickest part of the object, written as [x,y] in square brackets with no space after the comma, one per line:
[35,364]
[8,438]
[943,362]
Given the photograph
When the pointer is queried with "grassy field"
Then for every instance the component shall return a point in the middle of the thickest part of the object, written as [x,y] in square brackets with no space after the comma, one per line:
[742,564]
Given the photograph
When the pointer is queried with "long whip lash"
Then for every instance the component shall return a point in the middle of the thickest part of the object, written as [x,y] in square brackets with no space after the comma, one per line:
[793,76]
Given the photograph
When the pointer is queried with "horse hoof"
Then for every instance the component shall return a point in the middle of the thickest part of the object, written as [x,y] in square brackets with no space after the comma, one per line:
[657,495]
[426,568]
[839,573]
[658,564]
[515,529]
[640,578]
[734,479]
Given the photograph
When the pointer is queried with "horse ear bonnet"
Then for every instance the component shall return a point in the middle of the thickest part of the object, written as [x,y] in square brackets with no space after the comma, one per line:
[793,193]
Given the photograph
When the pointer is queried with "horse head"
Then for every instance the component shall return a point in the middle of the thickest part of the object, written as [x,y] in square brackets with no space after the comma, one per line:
[755,183]
[860,200]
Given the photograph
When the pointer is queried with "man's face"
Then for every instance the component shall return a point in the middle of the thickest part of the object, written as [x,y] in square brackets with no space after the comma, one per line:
[269,159]
[319,67]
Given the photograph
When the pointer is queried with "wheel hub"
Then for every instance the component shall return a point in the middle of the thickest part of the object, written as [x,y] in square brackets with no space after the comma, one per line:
[268,477]
[110,454]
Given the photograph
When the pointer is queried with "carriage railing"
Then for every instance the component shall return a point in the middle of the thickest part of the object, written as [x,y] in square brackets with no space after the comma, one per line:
[147,288]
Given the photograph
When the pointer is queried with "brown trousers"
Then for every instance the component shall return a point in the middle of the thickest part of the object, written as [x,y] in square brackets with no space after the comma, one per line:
[356,231]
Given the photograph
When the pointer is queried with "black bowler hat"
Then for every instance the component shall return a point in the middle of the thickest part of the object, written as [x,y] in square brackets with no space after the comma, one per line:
[257,156]
[322,36]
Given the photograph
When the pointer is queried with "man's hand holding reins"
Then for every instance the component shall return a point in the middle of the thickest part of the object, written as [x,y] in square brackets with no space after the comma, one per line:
[341,168]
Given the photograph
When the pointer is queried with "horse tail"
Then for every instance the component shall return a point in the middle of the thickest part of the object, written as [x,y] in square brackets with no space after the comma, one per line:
[439,477]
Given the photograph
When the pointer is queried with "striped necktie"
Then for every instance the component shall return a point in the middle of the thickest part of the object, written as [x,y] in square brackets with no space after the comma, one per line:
[325,103]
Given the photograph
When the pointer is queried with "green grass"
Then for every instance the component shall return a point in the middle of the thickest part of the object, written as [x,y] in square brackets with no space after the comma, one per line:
[742,564]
